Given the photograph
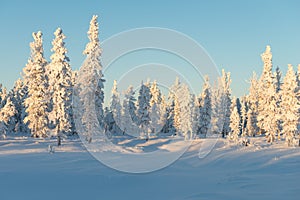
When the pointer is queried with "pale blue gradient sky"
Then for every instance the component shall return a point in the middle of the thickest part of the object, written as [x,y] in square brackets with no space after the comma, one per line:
[233,32]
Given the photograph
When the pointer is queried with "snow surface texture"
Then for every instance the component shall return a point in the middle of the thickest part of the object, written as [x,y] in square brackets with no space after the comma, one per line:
[260,171]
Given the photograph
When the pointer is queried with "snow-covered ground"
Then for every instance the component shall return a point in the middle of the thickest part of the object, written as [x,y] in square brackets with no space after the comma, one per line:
[260,171]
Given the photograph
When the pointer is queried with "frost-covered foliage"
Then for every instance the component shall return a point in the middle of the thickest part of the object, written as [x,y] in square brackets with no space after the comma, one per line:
[205,109]
[221,101]
[194,115]
[290,105]
[252,128]
[129,95]
[128,122]
[235,120]
[60,86]
[217,100]
[243,113]
[176,110]
[36,81]
[89,86]
[116,109]
[184,102]
[226,81]
[93,65]
[268,103]
[18,96]
[143,108]
[169,116]
[157,106]
[7,117]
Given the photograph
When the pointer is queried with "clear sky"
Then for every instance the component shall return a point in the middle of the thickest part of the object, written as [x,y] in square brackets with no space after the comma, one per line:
[233,32]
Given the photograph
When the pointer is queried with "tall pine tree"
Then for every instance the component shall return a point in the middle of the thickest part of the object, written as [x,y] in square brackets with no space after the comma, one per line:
[60,82]
[36,80]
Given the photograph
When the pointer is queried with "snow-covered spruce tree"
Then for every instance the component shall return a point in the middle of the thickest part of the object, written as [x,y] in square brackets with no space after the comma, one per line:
[128,112]
[163,114]
[176,111]
[93,65]
[18,96]
[221,101]
[226,81]
[7,116]
[278,84]
[156,96]
[132,104]
[185,101]
[115,108]
[252,128]
[143,107]
[60,85]
[205,109]
[267,102]
[36,102]
[234,123]
[108,120]
[157,109]
[194,115]
[89,86]
[235,102]
[169,123]
[290,106]
[244,110]
[218,111]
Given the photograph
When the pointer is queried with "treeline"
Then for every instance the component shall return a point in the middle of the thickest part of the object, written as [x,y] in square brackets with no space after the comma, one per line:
[40,104]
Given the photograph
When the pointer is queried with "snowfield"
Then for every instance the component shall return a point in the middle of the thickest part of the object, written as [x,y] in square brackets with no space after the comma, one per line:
[260,171]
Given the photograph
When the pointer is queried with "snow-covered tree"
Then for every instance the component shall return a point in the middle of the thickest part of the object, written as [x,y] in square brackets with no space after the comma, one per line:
[278,84]
[132,103]
[244,119]
[93,65]
[7,116]
[115,108]
[18,96]
[290,106]
[176,111]
[108,120]
[36,81]
[185,101]
[157,109]
[143,107]
[217,102]
[169,122]
[88,93]
[252,128]
[194,107]
[156,96]
[221,101]
[128,118]
[60,84]
[234,123]
[267,103]
[205,109]
[226,81]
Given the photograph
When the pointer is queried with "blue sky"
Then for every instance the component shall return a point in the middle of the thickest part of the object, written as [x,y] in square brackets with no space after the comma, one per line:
[233,32]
